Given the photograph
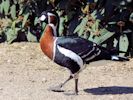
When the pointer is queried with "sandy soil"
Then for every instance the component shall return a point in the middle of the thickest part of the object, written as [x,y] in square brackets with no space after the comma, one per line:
[26,74]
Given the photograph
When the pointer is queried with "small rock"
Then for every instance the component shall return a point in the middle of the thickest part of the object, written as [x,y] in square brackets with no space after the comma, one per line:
[1,89]
[33,81]
[8,61]
[44,80]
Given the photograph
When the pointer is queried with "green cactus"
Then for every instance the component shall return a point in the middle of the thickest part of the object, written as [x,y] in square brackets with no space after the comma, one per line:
[12,32]
[13,11]
[62,25]
[95,26]
[104,35]
[123,44]
[2,6]
[15,1]
[25,19]
[81,27]
[31,37]
[6,6]
[21,11]
[35,21]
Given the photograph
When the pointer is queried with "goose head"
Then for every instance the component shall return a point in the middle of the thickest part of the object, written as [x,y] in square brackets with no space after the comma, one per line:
[49,17]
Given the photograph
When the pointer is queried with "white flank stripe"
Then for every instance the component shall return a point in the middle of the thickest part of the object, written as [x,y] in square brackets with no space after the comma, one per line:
[72,55]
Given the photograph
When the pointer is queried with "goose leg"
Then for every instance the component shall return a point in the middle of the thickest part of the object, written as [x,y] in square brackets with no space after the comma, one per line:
[58,88]
[76,86]
[61,85]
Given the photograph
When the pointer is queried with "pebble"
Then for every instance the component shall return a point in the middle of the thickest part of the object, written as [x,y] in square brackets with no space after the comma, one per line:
[44,80]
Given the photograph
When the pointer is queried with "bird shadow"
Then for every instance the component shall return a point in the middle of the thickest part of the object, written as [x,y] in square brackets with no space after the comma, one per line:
[114,90]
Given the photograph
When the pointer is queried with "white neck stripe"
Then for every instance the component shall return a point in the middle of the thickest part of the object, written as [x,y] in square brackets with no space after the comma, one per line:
[54,49]
[51,14]
[54,29]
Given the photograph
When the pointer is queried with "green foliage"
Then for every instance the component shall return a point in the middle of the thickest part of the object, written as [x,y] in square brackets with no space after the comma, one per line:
[2,6]
[12,32]
[13,11]
[16,1]
[104,35]
[31,37]
[6,6]
[123,44]
[35,21]
[62,24]
[80,29]
[25,19]
[21,22]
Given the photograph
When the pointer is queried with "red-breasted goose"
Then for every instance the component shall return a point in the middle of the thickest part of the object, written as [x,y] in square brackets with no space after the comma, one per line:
[71,52]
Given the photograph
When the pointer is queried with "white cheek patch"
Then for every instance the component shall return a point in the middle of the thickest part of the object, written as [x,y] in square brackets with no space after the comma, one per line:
[71,54]
[42,18]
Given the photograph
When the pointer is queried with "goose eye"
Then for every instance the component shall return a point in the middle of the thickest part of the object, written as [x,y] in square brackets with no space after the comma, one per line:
[42,18]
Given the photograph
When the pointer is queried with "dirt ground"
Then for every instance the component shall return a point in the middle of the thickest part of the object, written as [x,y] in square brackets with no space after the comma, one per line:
[26,74]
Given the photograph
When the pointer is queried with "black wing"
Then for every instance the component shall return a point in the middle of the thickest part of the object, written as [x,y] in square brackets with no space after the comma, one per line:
[87,50]
[76,44]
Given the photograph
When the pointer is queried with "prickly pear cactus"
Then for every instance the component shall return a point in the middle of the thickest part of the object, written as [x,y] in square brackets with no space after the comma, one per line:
[13,11]
[123,44]
[81,27]
[6,5]
[104,35]
[31,37]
